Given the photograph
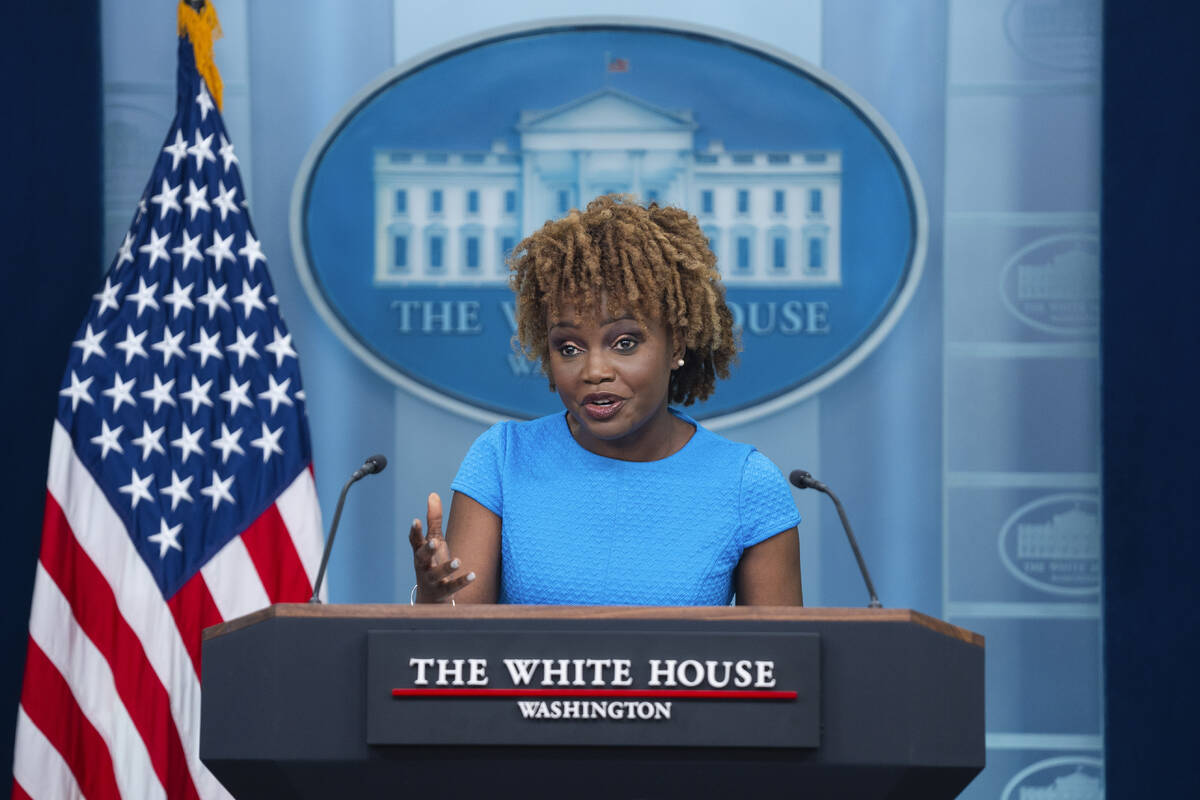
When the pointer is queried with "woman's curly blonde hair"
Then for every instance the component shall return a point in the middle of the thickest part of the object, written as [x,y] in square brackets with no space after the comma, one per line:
[649,261]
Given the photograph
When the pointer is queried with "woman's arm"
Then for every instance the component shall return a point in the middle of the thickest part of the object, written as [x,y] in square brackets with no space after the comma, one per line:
[769,572]
[472,573]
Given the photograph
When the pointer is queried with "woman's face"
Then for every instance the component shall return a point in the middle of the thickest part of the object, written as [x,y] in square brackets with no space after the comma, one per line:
[613,374]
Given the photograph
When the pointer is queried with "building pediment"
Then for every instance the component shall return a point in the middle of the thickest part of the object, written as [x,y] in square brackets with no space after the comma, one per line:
[605,110]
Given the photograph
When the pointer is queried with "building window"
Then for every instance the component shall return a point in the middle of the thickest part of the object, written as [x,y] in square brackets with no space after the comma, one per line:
[435,201]
[510,201]
[473,202]
[780,201]
[400,253]
[506,240]
[706,201]
[814,201]
[564,201]
[779,252]
[472,252]
[743,254]
[401,201]
[437,244]
[714,240]
[743,201]
[507,243]
[652,196]
[816,254]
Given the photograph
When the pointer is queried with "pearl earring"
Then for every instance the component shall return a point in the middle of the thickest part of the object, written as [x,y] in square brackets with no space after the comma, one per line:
[679,363]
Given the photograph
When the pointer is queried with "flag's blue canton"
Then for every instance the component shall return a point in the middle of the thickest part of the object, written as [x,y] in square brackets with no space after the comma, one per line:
[182,393]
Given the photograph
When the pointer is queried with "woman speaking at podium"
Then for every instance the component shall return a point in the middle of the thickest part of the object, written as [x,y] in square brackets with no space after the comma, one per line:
[622,499]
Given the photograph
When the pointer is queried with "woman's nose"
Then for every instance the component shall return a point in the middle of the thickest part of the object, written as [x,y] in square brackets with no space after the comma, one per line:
[597,368]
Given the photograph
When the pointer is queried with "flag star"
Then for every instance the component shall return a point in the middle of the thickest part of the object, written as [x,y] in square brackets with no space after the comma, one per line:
[150,441]
[137,487]
[252,250]
[228,442]
[273,300]
[236,395]
[108,295]
[220,249]
[179,297]
[224,200]
[178,490]
[218,490]
[144,296]
[157,248]
[268,442]
[124,253]
[169,346]
[198,394]
[300,395]
[189,249]
[167,537]
[249,298]
[207,346]
[226,152]
[205,102]
[107,440]
[90,343]
[167,199]
[161,393]
[142,208]
[277,393]
[78,390]
[214,298]
[280,347]
[188,442]
[132,345]
[120,392]
[178,150]
[202,150]
[244,346]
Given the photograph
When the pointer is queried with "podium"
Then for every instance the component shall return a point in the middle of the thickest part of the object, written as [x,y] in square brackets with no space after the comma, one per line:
[317,701]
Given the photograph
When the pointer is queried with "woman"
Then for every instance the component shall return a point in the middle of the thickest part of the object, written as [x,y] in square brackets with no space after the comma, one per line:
[622,499]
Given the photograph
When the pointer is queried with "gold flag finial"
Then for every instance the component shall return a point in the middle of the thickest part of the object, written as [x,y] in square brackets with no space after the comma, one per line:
[202,28]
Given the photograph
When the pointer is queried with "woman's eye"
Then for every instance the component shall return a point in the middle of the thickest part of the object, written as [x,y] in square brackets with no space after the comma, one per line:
[567,349]
[626,343]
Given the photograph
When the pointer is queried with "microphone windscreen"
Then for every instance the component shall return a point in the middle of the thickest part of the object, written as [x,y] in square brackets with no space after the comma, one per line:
[800,479]
[377,463]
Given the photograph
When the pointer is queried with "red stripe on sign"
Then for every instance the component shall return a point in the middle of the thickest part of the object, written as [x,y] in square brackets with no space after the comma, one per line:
[94,607]
[621,694]
[48,701]
[194,610]
[275,558]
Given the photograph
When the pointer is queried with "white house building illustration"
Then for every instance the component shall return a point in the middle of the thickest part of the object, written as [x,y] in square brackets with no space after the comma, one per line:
[451,218]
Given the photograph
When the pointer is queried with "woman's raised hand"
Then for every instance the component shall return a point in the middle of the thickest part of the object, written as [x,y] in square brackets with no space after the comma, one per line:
[436,570]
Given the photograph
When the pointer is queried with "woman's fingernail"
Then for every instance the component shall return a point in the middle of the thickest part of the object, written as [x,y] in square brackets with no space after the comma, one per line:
[470,577]
[455,564]
[431,544]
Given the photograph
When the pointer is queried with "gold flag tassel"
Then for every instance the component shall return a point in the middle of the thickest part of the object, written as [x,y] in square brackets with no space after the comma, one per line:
[202,28]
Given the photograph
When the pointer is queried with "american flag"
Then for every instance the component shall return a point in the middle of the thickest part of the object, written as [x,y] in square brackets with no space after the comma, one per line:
[180,491]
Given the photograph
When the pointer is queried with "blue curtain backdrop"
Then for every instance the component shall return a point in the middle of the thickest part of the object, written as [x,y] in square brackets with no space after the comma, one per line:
[925,491]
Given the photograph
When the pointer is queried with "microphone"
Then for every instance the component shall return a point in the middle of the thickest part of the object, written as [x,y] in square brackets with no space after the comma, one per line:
[373,465]
[804,480]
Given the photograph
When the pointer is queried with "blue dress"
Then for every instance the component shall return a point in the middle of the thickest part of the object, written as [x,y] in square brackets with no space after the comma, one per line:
[582,529]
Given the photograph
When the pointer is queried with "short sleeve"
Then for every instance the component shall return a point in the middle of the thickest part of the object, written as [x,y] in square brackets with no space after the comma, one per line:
[479,475]
[765,499]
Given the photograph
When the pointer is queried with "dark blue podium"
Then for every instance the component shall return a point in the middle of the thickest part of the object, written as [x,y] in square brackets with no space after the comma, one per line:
[308,701]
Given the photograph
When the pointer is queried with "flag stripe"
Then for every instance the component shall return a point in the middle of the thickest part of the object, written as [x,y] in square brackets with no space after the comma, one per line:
[194,610]
[38,769]
[50,705]
[234,582]
[91,682]
[101,536]
[18,793]
[296,505]
[275,557]
[95,609]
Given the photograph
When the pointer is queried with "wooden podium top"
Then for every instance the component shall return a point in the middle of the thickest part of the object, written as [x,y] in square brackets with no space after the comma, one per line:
[699,613]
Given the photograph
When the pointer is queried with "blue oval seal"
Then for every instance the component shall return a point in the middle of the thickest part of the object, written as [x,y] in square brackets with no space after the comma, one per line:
[1076,777]
[1053,544]
[408,204]
[1053,284]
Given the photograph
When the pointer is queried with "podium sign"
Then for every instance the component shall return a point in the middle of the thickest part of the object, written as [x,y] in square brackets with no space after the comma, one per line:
[634,689]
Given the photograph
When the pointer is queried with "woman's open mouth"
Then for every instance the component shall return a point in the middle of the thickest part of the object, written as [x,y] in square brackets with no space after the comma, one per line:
[602,406]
